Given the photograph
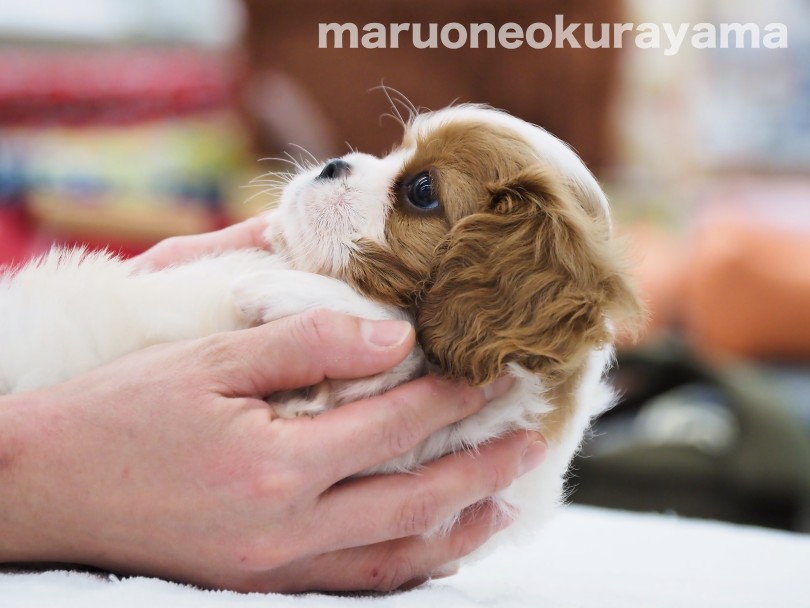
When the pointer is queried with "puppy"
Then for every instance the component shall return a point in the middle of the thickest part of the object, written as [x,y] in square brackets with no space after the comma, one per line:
[486,232]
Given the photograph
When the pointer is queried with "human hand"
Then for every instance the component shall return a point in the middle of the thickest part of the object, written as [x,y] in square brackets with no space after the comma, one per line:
[166,463]
[178,249]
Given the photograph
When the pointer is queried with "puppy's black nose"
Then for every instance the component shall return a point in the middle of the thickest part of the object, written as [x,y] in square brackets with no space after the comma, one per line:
[335,169]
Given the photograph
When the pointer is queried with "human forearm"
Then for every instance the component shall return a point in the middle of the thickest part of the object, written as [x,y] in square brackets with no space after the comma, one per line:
[25,531]
[51,472]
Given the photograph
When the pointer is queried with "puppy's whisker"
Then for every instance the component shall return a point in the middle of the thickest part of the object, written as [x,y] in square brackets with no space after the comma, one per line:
[272,181]
[276,159]
[408,106]
[301,164]
[294,161]
[255,195]
[272,191]
[397,99]
[275,174]
[285,175]
[396,118]
[306,152]
[278,180]
[395,114]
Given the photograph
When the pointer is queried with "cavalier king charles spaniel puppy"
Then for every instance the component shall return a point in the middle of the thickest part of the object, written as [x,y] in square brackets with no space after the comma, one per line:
[486,232]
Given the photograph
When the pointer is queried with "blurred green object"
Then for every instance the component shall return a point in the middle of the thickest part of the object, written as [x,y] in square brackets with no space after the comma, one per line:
[699,440]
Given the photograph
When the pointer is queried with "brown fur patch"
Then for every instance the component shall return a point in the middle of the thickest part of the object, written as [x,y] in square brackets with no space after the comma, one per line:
[563,397]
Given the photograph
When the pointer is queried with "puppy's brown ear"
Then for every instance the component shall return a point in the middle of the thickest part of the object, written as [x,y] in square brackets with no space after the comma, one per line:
[533,278]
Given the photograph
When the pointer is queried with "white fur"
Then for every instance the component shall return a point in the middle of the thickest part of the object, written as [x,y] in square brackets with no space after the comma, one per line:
[71,311]
[318,222]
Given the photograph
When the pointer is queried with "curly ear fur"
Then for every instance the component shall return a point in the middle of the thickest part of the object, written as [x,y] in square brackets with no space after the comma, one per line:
[533,279]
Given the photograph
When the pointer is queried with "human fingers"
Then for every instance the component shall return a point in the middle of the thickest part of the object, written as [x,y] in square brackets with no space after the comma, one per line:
[178,249]
[302,350]
[390,424]
[390,565]
[397,506]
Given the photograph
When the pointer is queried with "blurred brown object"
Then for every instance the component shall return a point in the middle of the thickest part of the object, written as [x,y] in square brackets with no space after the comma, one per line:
[566,90]
[748,286]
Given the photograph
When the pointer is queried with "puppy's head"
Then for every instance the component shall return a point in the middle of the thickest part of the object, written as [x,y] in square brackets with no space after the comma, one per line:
[488,229]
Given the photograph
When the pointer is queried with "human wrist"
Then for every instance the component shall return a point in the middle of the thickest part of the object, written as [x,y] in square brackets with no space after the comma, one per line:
[26,528]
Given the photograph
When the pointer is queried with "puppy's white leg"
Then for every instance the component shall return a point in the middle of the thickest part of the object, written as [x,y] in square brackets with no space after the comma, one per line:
[71,311]
[273,294]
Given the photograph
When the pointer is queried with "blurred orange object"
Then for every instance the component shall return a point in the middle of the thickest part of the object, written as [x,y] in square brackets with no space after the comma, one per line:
[748,285]
[658,265]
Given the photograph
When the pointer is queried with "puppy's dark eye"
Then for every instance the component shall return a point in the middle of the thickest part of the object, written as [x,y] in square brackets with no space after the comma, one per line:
[420,192]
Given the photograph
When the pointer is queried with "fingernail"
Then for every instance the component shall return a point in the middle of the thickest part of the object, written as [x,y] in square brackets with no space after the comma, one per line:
[385,333]
[534,454]
[498,388]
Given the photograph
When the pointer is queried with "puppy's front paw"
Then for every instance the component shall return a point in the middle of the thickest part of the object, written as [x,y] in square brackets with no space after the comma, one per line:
[273,294]
[266,296]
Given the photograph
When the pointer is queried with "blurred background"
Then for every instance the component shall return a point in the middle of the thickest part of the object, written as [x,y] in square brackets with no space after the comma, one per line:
[122,123]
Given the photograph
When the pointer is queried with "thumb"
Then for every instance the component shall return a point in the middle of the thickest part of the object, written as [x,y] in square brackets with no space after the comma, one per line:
[307,348]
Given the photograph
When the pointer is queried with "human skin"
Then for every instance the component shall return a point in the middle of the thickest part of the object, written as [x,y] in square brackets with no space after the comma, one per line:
[167,462]
[178,249]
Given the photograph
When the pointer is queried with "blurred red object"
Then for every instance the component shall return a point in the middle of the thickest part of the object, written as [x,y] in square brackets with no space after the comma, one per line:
[16,235]
[76,87]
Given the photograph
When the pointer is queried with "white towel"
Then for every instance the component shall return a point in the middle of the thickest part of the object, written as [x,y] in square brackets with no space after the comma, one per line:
[584,557]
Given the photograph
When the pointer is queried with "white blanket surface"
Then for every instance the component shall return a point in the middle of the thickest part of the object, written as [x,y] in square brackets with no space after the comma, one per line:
[585,557]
